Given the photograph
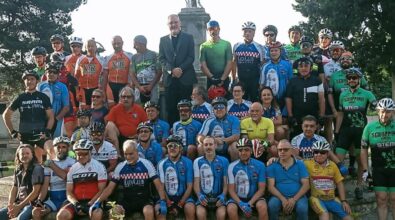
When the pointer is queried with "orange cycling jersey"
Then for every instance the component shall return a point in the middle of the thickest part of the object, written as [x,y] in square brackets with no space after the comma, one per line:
[88,71]
[118,67]
[70,62]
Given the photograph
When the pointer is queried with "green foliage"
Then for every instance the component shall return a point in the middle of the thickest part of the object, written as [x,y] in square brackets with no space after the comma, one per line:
[25,24]
[367,27]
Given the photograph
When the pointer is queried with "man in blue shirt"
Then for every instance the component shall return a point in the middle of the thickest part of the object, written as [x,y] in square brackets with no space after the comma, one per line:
[160,128]
[148,149]
[247,182]
[288,182]
[211,181]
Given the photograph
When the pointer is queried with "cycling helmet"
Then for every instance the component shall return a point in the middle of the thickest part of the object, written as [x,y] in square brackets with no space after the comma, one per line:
[97,127]
[150,104]
[61,139]
[321,145]
[144,125]
[174,139]
[57,57]
[353,71]
[216,91]
[83,112]
[386,104]
[294,28]
[244,142]
[306,39]
[76,40]
[325,33]
[248,25]
[276,44]
[54,66]
[185,103]
[212,24]
[83,144]
[347,54]
[39,51]
[219,100]
[30,73]
[270,28]
[56,37]
[336,44]
[304,60]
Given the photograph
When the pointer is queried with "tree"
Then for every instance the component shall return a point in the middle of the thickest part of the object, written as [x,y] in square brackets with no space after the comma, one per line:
[25,24]
[367,27]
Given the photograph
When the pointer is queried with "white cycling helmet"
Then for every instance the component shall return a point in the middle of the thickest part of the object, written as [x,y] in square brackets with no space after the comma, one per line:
[325,32]
[321,145]
[83,144]
[76,40]
[248,25]
[386,104]
[336,44]
[61,139]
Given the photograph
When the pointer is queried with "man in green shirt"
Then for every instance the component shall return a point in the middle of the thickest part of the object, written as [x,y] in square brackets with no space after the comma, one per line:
[293,49]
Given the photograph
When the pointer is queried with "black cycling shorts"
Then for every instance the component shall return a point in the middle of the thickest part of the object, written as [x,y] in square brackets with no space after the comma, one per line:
[350,136]
[383,177]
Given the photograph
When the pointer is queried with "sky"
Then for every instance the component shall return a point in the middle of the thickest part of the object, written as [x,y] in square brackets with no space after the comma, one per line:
[103,19]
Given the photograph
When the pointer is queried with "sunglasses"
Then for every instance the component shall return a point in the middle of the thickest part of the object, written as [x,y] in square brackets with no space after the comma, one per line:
[184,110]
[283,149]
[208,144]
[306,45]
[96,134]
[320,152]
[269,35]
[352,78]
[82,154]
[96,96]
[144,131]
[346,58]
[219,107]
[172,145]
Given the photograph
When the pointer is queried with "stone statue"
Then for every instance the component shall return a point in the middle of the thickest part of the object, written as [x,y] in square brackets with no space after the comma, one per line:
[193,4]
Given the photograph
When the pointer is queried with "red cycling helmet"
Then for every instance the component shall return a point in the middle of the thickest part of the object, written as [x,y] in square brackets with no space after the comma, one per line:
[216,91]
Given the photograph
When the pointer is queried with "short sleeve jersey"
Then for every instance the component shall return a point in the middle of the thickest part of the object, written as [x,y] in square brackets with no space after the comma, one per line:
[117,65]
[56,183]
[187,132]
[145,66]
[202,112]
[246,177]
[59,94]
[88,71]
[106,152]
[293,51]
[153,153]
[161,129]
[239,110]
[216,55]
[248,58]
[70,62]
[175,175]
[276,76]
[323,179]
[305,145]
[257,131]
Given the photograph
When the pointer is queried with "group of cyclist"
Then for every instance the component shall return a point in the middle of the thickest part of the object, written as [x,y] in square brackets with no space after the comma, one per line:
[91,132]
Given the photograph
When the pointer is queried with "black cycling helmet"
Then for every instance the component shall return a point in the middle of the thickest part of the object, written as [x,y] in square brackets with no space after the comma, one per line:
[304,60]
[174,138]
[56,37]
[353,71]
[271,28]
[83,112]
[184,103]
[307,39]
[150,104]
[145,125]
[219,100]
[57,57]
[39,51]
[54,66]
[30,73]
[295,28]
[97,127]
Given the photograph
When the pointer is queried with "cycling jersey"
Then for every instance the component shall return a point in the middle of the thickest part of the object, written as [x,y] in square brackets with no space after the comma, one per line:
[216,55]
[153,152]
[85,179]
[221,128]
[248,58]
[257,131]
[70,63]
[145,66]
[59,94]
[117,65]
[276,76]
[202,112]
[246,177]
[135,179]
[80,133]
[161,129]
[271,112]
[106,152]
[305,145]
[88,71]
[175,176]
[331,67]
[381,140]
[32,108]
[293,52]
[40,71]
[354,106]
[323,179]
[211,174]
[239,110]
[98,115]
[187,131]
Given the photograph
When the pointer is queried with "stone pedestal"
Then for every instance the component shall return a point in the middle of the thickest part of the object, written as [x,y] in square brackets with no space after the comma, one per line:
[193,21]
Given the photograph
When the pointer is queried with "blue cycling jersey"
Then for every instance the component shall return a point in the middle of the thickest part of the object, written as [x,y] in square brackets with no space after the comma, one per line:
[187,132]
[59,95]
[202,112]
[176,176]
[276,76]
[305,145]
[153,153]
[248,59]
[222,128]
[239,110]
[161,129]
[271,112]
[211,174]
[246,177]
